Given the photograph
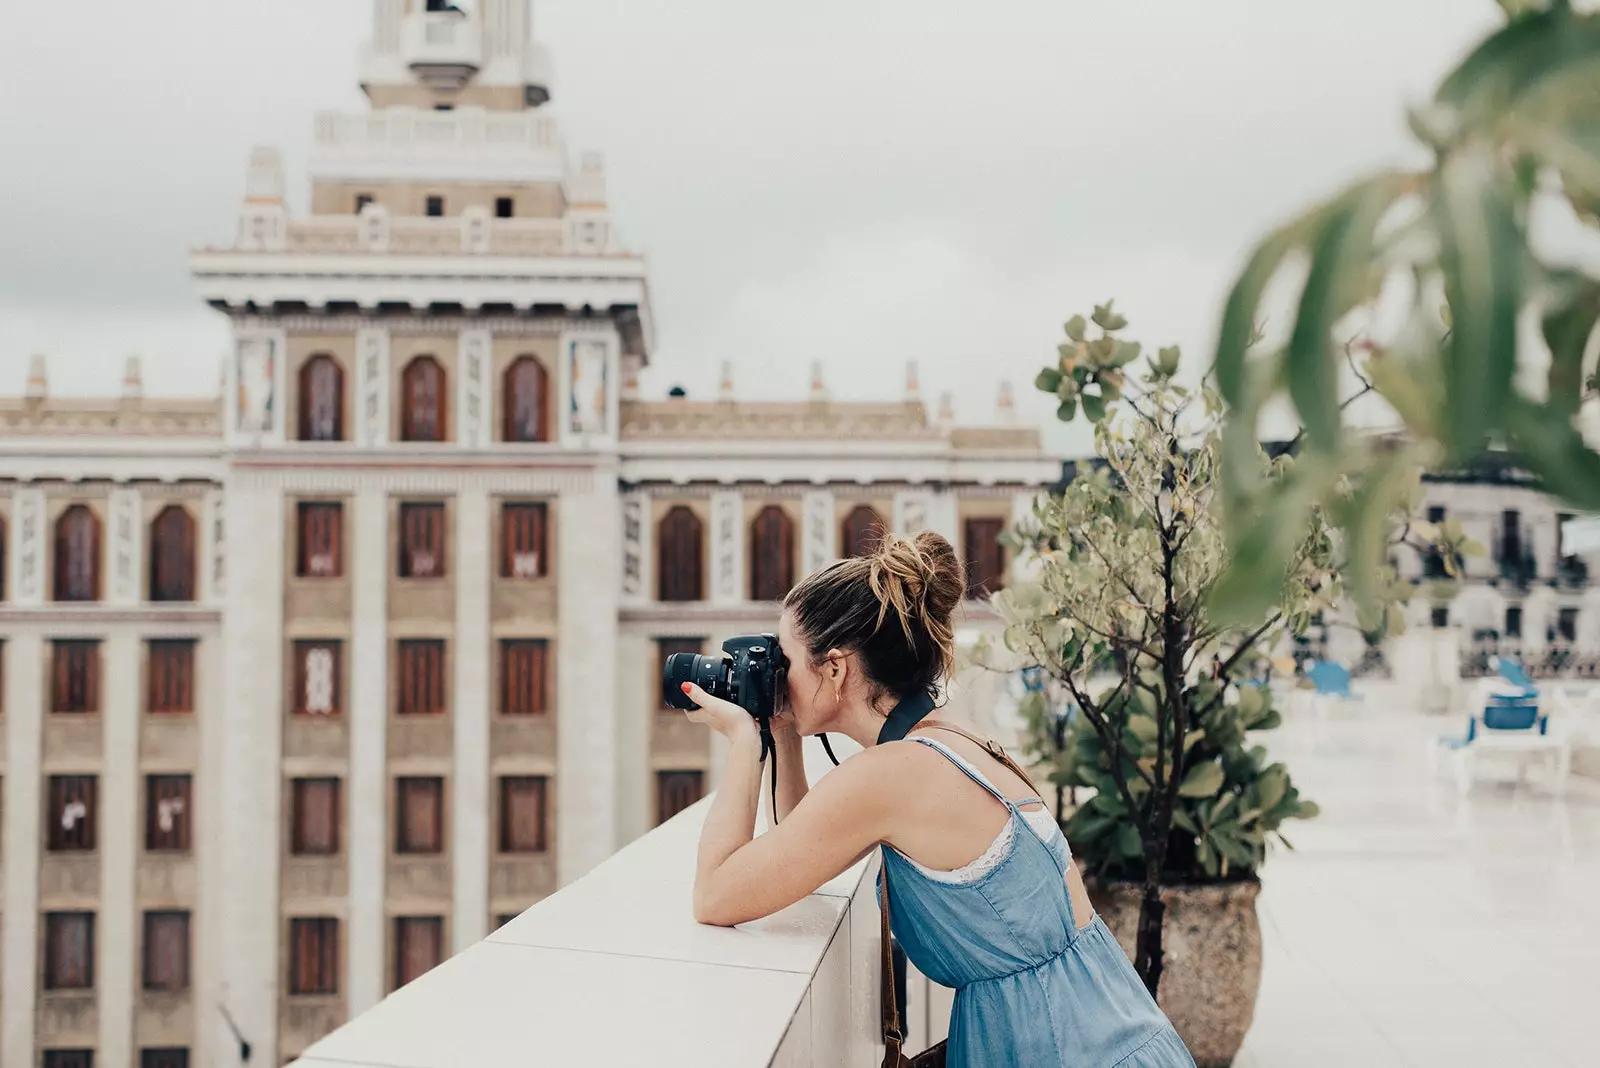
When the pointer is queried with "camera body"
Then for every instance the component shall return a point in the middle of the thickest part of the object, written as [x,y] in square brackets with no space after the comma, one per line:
[752,673]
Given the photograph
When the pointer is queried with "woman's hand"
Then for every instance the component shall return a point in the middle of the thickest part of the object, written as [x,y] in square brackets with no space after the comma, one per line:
[726,718]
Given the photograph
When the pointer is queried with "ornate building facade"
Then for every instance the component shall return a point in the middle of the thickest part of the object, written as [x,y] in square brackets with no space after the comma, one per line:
[311,684]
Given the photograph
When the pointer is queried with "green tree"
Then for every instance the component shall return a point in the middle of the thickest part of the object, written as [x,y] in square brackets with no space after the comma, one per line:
[1516,125]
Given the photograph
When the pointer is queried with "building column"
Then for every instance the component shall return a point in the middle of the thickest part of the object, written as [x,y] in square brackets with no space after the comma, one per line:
[470,810]
[19,935]
[586,652]
[638,548]
[118,928]
[28,534]
[913,511]
[210,1032]
[727,547]
[819,536]
[366,789]
[251,768]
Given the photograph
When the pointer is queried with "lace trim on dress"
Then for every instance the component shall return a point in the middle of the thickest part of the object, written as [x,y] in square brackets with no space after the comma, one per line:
[1042,821]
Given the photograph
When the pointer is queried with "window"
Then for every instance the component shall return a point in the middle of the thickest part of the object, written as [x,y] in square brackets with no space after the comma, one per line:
[1440,617]
[680,552]
[422,401]
[418,946]
[362,200]
[69,951]
[170,685]
[524,531]
[504,207]
[321,526]
[75,678]
[316,678]
[666,647]
[522,826]
[527,387]
[435,207]
[523,685]
[504,918]
[676,791]
[1513,622]
[166,951]
[985,556]
[314,817]
[421,541]
[419,815]
[314,955]
[321,400]
[70,817]
[171,1057]
[70,1058]
[77,570]
[1510,538]
[1433,559]
[771,554]
[166,813]
[1567,624]
[863,530]
[2,558]
[172,555]
[422,679]
[1562,519]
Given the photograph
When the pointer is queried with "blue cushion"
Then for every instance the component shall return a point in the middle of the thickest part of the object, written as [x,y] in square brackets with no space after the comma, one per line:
[1510,716]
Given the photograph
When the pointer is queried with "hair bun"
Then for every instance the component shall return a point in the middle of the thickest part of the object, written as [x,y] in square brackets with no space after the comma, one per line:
[920,580]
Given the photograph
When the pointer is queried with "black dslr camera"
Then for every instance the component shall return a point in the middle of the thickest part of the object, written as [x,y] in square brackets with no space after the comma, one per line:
[751,672]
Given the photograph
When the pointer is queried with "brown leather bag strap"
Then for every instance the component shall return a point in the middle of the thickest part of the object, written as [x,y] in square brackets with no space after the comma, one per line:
[991,747]
[894,1035]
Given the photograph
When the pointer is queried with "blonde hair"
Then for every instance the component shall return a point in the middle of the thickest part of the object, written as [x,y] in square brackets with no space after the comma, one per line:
[891,607]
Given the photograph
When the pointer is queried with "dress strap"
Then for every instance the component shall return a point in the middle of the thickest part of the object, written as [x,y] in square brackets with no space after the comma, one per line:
[971,772]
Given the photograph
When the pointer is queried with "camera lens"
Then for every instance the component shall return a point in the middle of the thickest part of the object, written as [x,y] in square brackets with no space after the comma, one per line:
[706,672]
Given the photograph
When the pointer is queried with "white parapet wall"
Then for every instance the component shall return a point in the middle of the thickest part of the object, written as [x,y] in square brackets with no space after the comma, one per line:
[613,970]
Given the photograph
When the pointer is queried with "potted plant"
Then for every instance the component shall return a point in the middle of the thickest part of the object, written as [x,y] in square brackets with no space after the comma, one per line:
[1127,564]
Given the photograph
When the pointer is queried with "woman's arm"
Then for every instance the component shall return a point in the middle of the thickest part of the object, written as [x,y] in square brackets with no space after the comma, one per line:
[791,765]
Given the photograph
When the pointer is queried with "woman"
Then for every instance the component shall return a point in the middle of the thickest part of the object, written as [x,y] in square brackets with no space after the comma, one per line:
[985,897]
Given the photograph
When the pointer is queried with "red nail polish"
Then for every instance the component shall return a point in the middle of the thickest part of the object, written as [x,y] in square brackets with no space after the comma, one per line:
[686,687]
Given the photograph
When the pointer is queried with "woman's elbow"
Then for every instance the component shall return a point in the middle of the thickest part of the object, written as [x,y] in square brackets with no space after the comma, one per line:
[712,909]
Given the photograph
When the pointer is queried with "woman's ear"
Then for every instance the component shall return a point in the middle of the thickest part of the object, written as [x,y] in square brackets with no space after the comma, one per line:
[836,670]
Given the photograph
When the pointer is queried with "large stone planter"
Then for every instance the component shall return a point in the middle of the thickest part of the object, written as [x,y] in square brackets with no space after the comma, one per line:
[1211,946]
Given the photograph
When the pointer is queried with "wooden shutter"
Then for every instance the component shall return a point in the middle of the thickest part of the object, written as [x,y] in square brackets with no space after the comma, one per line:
[524,529]
[676,791]
[166,951]
[419,813]
[72,813]
[523,679]
[77,555]
[666,647]
[166,813]
[863,531]
[772,554]
[171,676]
[75,671]
[422,681]
[422,415]
[985,556]
[418,946]
[315,817]
[522,814]
[321,400]
[421,541]
[527,385]
[314,955]
[172,555]
[73,1058]
[321,538]
[69,950]
[3,544]
[680,551]
[317,678]
[170,1057]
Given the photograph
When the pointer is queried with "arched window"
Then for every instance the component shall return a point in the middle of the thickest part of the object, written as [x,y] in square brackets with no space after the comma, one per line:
[77,555]
[771,554]
[524,397]
[172,555]
[863,530]
[680,548]
[321,400]
[422,401]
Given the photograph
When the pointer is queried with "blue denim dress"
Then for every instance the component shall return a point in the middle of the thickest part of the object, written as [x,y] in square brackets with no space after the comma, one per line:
[1032,989]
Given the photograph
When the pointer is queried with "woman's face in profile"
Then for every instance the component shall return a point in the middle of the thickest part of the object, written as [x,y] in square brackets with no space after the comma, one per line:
[806,696]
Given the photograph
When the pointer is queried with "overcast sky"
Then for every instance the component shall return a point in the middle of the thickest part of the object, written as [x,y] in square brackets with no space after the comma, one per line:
[859,182]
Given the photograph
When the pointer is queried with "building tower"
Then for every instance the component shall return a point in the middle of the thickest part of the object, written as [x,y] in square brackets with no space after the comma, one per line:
[420,435]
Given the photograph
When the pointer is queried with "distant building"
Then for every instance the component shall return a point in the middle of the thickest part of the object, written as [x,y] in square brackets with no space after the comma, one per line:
[310,684]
